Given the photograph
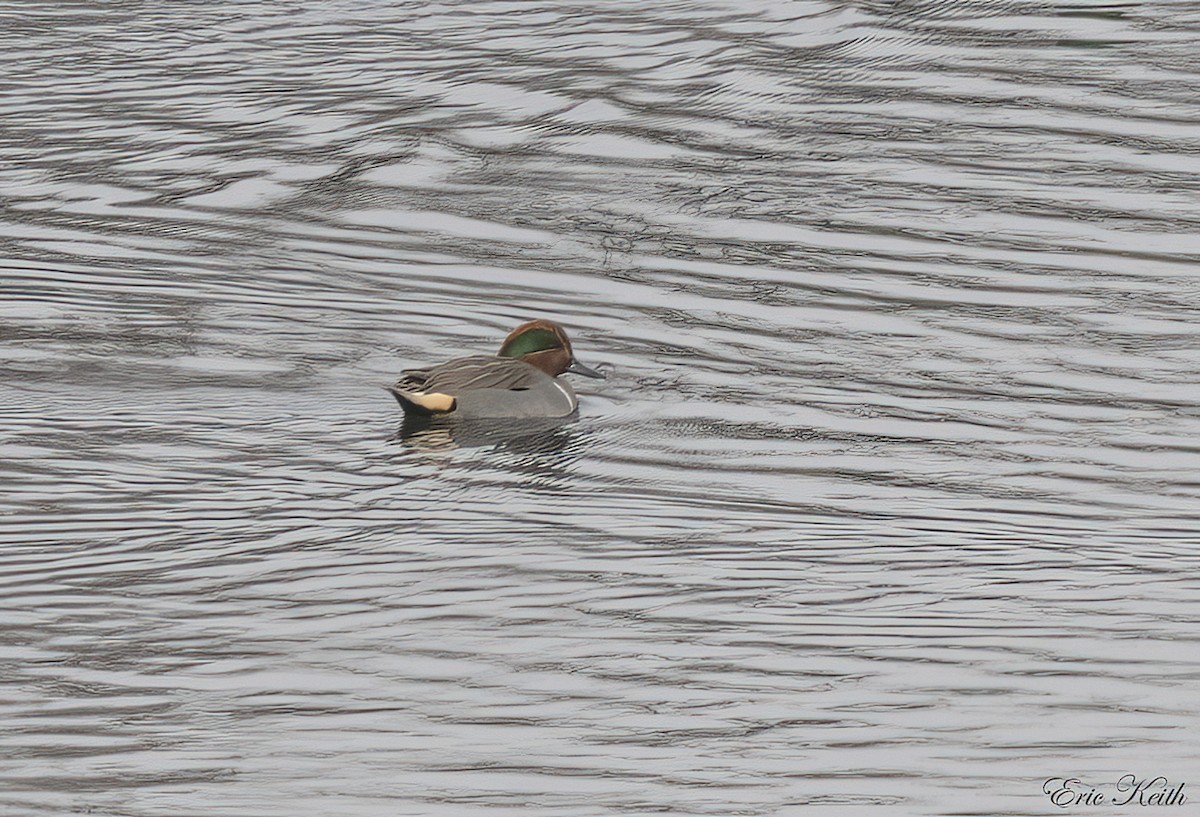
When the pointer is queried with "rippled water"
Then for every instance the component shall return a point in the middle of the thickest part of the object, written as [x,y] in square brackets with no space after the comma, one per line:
[888,505]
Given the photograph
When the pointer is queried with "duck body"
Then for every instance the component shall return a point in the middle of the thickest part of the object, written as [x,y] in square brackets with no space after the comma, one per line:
[521,381]
[483,386]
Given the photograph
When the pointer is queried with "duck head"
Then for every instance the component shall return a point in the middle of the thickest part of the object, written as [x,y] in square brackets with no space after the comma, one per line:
[544,344]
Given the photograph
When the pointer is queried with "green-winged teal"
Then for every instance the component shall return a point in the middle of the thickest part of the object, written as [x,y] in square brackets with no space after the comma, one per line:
[522,380]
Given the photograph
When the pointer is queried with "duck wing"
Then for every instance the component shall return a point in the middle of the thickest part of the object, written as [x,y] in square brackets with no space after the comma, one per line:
[471,373]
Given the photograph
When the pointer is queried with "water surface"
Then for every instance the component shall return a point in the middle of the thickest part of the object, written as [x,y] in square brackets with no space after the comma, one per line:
[888,505]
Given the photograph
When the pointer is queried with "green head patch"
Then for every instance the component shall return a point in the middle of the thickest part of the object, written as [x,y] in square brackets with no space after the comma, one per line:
[530,341]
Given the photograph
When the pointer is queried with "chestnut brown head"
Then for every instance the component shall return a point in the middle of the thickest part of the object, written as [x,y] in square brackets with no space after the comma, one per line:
[544,344]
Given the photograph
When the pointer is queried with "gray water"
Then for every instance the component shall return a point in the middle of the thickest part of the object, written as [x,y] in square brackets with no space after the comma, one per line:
[889,502]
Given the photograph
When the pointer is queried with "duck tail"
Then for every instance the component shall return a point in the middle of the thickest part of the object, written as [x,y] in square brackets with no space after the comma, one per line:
[422,403]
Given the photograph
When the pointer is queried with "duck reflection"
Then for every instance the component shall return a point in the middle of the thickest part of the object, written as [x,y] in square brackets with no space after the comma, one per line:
[542,448]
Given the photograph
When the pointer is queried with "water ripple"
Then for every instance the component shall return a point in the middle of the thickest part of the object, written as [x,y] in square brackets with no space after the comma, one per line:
[887,497]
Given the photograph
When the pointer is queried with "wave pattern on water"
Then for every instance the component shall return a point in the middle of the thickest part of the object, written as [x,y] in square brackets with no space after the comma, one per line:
[889,495]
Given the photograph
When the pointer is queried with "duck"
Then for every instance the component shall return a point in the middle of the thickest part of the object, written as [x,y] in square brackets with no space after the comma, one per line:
[521,380]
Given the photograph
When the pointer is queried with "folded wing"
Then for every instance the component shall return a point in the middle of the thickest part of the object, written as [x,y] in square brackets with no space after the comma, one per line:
[471,373]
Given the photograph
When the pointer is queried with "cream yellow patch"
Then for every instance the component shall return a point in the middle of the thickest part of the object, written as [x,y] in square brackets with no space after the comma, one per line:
[434,400]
